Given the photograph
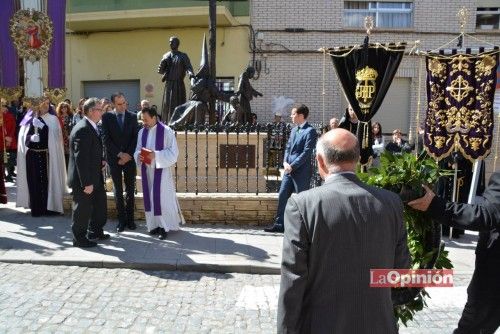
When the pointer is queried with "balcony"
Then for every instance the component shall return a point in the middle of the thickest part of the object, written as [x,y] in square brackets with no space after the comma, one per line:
[121,15]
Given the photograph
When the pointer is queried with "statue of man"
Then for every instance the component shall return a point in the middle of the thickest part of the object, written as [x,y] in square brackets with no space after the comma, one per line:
[202,88]
[246,92]
[173,66]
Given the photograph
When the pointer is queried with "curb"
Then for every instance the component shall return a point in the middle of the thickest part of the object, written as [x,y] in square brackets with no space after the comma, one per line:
[196,267]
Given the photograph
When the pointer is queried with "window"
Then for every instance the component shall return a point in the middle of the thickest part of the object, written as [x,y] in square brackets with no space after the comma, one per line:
[385,14]
[488,18]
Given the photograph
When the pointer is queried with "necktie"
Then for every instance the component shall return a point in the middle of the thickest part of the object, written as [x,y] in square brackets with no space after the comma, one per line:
[120,120]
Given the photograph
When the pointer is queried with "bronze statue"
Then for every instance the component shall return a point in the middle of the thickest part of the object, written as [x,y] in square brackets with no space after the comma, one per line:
[246,93]
[173,66]
[202,89]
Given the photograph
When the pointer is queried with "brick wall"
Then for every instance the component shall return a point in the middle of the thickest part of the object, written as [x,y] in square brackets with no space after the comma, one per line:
[230,209]
[211,208]
[296,71]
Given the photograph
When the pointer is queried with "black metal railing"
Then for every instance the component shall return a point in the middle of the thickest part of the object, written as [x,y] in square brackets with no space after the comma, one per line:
[241,158]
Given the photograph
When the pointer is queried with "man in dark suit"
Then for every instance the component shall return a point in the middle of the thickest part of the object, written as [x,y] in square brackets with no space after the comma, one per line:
[297,163]
[86,179]
[120,130]
[482,311]
[334,235]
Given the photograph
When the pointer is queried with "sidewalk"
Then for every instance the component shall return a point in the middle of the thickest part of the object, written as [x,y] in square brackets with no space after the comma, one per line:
[202,248]
[205,248]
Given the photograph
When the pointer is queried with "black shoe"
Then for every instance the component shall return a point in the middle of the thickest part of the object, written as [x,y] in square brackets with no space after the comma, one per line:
[120,227]
[101,237]
[131,225]
[85,243]
[154,231]
[163,234]
[275,228]
[9,179]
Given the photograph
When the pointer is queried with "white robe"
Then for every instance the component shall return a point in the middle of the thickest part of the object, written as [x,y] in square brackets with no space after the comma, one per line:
[57,166]
[171,215]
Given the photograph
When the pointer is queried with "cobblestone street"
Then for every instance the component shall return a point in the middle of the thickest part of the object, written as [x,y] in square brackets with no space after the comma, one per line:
[38,298]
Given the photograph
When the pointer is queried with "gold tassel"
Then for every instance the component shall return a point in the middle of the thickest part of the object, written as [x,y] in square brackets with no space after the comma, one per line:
[365,141]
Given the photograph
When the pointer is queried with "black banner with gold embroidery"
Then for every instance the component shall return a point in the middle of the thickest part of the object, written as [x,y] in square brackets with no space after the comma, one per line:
[460,92]
[366,73]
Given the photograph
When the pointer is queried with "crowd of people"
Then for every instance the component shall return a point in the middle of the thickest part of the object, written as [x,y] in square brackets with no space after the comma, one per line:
[347,219]
[64,150]
[335,233]
[322,226]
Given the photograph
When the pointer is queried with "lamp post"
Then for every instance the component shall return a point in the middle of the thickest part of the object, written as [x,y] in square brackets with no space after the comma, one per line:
[212,27]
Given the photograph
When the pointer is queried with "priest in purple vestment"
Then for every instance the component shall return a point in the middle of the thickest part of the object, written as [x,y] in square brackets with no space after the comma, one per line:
[155,153]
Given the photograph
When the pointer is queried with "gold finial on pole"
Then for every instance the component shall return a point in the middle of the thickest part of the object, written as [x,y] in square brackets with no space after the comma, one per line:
[369,24]
[463,18]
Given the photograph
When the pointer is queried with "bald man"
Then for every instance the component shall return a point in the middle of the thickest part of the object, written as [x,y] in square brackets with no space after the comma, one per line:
[335,234]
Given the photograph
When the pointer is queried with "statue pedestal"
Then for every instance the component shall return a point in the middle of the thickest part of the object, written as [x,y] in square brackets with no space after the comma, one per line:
[220,163]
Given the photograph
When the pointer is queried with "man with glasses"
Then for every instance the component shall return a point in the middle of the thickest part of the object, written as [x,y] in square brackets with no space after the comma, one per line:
[120,130]
[86,179]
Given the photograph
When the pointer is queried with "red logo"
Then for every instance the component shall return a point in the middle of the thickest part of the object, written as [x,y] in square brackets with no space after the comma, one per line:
[415,278]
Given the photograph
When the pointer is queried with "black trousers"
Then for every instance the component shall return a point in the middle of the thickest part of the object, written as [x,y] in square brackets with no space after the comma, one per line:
[37,171]
[89,212]
[126,173]
[479,317]
[481,314]
[11,163]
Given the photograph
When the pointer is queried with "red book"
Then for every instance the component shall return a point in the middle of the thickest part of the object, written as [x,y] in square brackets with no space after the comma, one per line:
[145,155]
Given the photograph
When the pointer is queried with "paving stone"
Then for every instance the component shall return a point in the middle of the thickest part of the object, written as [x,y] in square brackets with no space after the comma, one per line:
[32,298]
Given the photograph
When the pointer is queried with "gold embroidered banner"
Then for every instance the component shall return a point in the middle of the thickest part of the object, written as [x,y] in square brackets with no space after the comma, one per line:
[460,92]
[366,73]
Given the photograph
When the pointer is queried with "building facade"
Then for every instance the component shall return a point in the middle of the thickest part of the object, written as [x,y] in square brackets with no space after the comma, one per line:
[117,45]
[288,39]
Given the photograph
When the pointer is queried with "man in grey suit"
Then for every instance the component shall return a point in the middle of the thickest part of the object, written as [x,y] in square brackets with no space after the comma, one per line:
[335,234]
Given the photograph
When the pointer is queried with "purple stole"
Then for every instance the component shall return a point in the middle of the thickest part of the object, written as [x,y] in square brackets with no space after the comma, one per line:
[27,117]
[160,134]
